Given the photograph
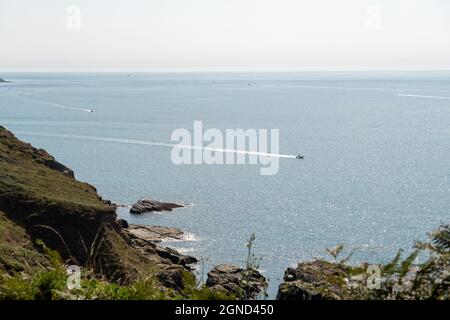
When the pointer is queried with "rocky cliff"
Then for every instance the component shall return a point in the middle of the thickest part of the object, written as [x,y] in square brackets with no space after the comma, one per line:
[42,203]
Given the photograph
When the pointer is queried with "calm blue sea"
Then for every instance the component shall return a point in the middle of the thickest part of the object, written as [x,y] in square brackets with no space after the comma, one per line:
[376,173]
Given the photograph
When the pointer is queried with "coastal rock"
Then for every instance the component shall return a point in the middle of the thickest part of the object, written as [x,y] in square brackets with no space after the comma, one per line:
[172,277]
[123,223]
[149,205]
[145,238]
[243,283]
[2,80]
[155,233]
[315,280]
[175,257]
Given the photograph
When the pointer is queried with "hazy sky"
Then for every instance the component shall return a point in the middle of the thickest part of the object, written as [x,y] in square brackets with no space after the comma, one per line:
[224,34]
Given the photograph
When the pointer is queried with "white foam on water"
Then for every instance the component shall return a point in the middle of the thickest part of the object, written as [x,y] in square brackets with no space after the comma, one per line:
[184,250]
[187,237]
[187,204]
[325,87]
[190,237]
[152,143]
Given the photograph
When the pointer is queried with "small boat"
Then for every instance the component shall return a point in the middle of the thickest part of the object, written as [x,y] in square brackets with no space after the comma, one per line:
[300,157]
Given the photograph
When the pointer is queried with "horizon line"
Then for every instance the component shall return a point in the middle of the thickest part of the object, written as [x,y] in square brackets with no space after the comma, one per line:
[249,70]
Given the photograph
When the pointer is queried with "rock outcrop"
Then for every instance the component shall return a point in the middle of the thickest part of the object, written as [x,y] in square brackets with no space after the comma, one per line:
[150,205]
[240,282]
[154,233]
[123,223]
[146,239]
[315,280]
[50,162]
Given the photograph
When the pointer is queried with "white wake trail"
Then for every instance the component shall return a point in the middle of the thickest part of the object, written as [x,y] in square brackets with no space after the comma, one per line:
[55,105]
[152,143]
[264,154]
[422,96]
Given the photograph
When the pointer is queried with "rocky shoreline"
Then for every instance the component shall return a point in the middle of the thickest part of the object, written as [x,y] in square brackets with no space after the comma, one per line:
[228,278]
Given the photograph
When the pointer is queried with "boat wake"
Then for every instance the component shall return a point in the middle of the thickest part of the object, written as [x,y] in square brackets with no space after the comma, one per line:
[422,96]
[151,143]
[55,105]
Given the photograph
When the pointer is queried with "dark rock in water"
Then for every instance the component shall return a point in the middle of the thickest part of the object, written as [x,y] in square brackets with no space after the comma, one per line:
[2,80]
[315,280]
[243,283]
[123,223]
[149,205]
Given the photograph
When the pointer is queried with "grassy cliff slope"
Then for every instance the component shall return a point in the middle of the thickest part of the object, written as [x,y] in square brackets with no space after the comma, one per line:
[40,200]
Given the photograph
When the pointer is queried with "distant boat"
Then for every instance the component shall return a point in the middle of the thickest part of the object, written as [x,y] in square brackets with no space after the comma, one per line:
[300,157]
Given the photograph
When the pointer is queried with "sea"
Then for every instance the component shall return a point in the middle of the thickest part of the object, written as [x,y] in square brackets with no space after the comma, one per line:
[375,175]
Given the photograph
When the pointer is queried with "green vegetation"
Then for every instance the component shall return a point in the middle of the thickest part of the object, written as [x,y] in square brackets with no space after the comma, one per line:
[29,173]
[406,278]
[403,279]
[52,285]
[17,253]
[252,262]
